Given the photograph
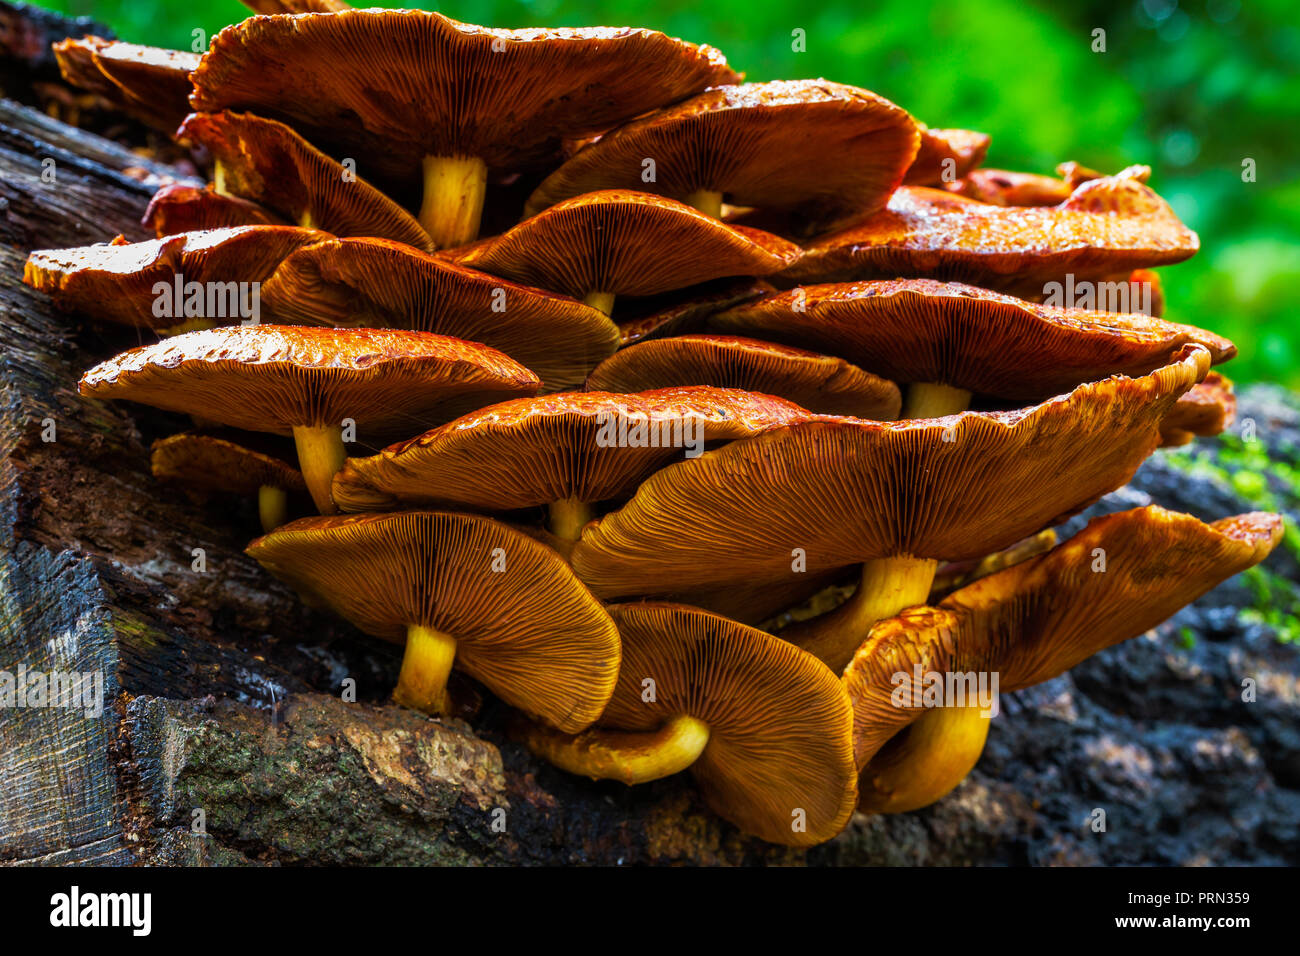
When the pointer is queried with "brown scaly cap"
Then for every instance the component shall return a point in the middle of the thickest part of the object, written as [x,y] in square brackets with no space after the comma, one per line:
[151,84]
[920,330]
[425,85]
[1107,226]
[819,383]
[1208,409]
[778,724]
[849,491]
[965,148]
[268,163]
[1036,620]
[540,450]
[272,378]
[370,282]
[626,243]
[115,282]
[211,463]
[179,207]
[525,627]
[813,145]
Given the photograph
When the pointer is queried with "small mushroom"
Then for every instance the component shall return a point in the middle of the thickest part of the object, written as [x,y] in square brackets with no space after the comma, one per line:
[204,462]
[180,207]
[195,278]
[377,283]
[821,148]
[1208,409]
[945,155]
[307,381]
[892,498]
[820,383]
[149,83]
[448,101]
[760,725]
[268,163]
[568,451]
[1026,624]
[1001,187]
[946,340]
[463,591]
[619,242]
[1108,226]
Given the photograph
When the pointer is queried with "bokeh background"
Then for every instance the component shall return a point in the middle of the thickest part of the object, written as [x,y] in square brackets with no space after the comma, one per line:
[1191,87]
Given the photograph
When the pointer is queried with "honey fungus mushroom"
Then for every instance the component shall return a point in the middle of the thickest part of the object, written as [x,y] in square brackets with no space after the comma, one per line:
[204,462]
[1207,409]
[817,147]
[1026,624]
[372,282]
[182,207]
[149,83]
[820,383]
[464,591]
[761,726]
[893,498]
[947,340]
[568,452]
[449,102]
[619,242]
[266,162]
[190,280]
[945,155]
[307,381]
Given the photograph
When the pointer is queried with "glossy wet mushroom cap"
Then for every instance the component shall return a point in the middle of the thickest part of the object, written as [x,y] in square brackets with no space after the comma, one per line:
[181,207]
[685,310]
[822,148]
[150,83]
[963,337]
[819,383]
[1027,624]
[620,242]
[367,282]
[461,591]
[206,277]
[761,725]
[309,382]
[946,155]
[1206,410]
[268,163]
[569,451]
[450,102]
[1108,226]
[1002,187]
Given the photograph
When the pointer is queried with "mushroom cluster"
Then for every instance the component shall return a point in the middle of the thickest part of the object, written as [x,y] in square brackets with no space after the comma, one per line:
[694,419]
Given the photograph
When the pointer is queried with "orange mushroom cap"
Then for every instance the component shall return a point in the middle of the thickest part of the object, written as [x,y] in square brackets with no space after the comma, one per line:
[684,309]
[847,491]
[150,83]
[213,463]
[180,207]
[626,243]
[268,163]
[1208,409]
[961,149]
[523,624]
[820,383]
[921,330]
[127,282]
[377,283]
[1002,187]
[273,378]
[820,147]
[423,84]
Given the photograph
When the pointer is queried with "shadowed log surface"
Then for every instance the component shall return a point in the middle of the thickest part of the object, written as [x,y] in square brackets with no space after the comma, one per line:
[223,691]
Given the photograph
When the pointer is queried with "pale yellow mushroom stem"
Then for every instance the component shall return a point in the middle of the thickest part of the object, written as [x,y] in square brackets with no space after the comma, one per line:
[706,201]
[930,400]
[321,455]
[631,757]
[426,665]
[925,761]
[600,301]
[272,506]
[454,188]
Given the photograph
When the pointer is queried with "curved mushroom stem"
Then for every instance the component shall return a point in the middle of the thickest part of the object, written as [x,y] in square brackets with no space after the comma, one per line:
[888,585]
[629,757]
[272,506]
[931,400]
[320,457]
[706,201]
[426,665]
[601,301]
[924,762]
[454,187]
[568,517]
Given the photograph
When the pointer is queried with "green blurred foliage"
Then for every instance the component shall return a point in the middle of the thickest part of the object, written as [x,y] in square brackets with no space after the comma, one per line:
[1190,87]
